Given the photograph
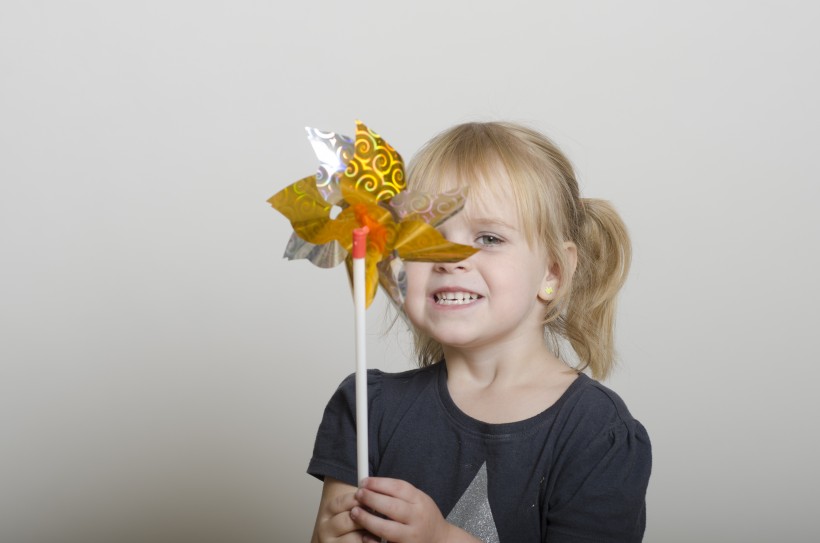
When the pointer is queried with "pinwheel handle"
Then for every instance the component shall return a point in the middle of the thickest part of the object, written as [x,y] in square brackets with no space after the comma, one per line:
[359,292]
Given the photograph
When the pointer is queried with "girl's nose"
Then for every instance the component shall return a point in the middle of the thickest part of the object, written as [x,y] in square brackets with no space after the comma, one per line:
[452,267]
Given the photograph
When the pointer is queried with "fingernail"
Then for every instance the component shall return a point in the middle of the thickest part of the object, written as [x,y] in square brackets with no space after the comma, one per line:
[354,512]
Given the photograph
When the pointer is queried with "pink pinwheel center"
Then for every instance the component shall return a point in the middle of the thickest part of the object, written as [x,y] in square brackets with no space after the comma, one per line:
[377,237]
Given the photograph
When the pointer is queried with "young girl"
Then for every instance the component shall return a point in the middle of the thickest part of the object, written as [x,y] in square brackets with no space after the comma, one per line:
[494,438]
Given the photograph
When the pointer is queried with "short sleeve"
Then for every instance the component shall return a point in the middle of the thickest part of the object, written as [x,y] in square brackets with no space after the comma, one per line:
[334,451]
[600,494]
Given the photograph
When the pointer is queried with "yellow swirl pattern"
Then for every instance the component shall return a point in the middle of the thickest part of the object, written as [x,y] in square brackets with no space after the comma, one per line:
[375,167]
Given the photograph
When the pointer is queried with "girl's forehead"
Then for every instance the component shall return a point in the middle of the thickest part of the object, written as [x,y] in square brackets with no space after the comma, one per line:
[485,205]
[483,184]
[489,192]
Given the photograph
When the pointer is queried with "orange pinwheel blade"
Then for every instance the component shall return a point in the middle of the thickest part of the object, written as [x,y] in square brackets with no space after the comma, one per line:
[305,208]
[309,214]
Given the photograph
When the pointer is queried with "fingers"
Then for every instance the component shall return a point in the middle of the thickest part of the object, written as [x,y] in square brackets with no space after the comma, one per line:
[412,515]
[393,498]
[391,487]
[398,500]
[381,504]
[375,524]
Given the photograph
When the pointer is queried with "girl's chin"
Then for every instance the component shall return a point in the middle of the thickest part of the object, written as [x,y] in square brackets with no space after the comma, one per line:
[458,342]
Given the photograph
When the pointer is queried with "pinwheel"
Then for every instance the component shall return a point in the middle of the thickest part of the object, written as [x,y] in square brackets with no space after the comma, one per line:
[356,209]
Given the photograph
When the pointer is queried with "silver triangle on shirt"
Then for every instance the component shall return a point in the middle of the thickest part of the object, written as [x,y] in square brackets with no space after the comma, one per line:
[472,512]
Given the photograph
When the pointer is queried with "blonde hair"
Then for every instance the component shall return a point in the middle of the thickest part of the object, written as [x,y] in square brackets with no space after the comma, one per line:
[545,190]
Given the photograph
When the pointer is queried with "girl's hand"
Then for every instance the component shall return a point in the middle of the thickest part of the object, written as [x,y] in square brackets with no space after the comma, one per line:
[334,523]
[412,515]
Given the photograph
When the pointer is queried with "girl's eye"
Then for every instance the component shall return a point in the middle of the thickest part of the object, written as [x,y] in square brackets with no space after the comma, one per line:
[488,240]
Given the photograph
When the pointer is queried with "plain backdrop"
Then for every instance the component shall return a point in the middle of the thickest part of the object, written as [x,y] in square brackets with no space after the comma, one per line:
[163,370]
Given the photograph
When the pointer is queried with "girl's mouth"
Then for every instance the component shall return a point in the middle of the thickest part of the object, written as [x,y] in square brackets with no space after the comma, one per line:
[455,298]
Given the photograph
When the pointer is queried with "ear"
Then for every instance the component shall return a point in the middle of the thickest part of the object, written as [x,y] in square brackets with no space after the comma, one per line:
[555,277]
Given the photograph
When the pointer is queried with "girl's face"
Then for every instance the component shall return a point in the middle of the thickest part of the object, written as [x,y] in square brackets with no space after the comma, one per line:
[491,297]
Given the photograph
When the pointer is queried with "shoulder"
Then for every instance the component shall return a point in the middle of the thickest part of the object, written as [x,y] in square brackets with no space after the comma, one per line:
[387,391]
[589,397]
[591,411]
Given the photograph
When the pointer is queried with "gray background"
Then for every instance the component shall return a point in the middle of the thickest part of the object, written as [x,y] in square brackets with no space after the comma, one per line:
[164,370]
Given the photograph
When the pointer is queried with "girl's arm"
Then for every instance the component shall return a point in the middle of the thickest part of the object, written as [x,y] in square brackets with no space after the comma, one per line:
[333,520]
[412,515]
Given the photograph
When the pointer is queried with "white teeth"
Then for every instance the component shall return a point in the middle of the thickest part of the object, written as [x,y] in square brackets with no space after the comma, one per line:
[455,298]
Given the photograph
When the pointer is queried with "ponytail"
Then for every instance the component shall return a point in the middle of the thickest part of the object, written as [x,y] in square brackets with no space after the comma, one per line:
[604,255]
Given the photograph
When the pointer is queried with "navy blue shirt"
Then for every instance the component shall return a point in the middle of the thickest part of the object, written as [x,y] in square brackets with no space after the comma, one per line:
[576,472]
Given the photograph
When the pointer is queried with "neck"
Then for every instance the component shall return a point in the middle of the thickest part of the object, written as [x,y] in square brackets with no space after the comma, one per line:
[506,382]
[506,363]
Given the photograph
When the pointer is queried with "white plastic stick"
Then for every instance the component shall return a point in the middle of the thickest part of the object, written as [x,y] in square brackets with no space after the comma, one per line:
[359,290]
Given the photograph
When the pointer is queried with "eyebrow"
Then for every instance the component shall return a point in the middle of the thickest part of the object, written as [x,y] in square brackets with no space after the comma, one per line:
[489,221]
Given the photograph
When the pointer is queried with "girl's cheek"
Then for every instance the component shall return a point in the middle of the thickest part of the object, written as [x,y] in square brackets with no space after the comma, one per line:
[416,274]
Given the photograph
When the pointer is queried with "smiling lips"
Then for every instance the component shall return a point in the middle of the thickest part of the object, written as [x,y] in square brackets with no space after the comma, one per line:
[455,297]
